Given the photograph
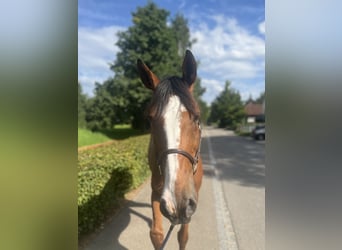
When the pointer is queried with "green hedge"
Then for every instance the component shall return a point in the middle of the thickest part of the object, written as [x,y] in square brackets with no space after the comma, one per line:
[105,174]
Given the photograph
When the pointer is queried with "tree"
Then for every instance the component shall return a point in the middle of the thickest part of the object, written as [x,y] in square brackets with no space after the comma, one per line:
[82,99]
[99,110]
[154,42]
[250,99]
[261,98]
[109,105]
[197,93]
[124,98]
[181,31]
[227,109]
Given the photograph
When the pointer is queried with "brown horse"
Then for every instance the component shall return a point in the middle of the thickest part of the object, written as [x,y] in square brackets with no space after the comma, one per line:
[174,149]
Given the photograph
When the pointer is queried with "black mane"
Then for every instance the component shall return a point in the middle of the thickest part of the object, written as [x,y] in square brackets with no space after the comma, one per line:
[168,87]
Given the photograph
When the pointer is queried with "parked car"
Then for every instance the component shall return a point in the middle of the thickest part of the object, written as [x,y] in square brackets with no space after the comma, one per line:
[258,133]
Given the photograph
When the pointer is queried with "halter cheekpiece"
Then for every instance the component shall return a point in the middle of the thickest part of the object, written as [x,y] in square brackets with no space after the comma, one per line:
[193,159]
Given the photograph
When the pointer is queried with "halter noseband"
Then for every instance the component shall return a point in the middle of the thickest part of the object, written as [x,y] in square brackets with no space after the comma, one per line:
[193,160]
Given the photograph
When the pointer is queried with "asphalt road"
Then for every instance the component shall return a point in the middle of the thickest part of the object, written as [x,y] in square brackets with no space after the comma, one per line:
[231,208]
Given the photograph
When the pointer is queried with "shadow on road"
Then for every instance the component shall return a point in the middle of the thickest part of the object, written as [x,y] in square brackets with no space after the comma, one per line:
[123,220]
[108,238]
[133,204]
[237,159]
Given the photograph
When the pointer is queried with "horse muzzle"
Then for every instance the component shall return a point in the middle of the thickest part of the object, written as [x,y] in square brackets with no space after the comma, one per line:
[180,214]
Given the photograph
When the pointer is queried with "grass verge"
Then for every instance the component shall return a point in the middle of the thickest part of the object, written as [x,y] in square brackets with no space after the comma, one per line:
[119,132]
[87,137]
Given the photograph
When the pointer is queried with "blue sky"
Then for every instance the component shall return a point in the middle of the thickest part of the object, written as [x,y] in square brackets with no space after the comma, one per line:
[230,40]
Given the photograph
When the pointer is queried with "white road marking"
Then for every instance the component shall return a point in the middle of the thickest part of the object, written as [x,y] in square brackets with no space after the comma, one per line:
[226,233]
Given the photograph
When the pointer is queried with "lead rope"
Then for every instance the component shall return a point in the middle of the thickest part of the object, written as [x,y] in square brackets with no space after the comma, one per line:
[167,237]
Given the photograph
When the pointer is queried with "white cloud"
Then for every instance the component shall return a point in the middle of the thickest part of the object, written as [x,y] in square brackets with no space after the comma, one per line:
[96,49]
[212,88]
[261,27]
[212,84]
[246,89]
[228,51]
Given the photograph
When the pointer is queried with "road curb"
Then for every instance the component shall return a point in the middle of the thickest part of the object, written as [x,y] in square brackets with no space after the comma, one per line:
[226,232]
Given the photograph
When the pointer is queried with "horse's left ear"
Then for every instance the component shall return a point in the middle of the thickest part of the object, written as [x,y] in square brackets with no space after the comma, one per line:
[189,69]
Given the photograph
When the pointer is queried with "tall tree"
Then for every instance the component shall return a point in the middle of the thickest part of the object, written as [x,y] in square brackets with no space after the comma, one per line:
[153,41]
[227,109]
[181,30]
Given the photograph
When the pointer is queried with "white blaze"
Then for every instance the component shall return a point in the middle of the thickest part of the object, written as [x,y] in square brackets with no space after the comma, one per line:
[172,120]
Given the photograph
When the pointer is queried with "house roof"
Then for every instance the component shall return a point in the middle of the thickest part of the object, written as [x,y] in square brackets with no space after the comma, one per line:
[253,109]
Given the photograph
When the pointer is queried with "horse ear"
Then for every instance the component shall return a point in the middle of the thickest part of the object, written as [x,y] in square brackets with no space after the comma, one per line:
[189,69]
[149,79]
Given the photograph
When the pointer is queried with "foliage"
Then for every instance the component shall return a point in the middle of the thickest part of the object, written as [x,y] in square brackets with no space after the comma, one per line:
[227,109]
[109,106]
[82,99]
[198,92]
[258,100]
[105,174]
[179,26]
[204,111]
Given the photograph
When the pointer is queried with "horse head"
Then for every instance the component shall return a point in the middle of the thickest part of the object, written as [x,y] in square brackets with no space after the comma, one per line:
[175,140]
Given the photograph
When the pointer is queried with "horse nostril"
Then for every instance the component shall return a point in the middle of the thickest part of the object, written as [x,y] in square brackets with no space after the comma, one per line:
[165,209]
[191,207]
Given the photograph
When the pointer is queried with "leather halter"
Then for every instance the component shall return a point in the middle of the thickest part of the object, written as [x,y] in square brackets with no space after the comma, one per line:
[192,159]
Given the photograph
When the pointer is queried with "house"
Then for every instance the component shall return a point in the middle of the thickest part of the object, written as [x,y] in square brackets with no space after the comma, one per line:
[255,112]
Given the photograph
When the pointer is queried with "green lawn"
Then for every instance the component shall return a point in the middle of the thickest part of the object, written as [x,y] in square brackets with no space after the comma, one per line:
[86,137]
[120,132]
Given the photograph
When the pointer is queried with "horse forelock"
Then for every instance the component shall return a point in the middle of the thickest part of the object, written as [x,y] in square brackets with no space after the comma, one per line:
[172,86]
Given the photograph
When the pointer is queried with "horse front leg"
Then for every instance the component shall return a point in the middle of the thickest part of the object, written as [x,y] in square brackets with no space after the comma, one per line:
[183,236]
[156,232]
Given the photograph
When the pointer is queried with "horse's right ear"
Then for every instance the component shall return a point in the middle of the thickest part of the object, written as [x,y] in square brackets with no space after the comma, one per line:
[149,79]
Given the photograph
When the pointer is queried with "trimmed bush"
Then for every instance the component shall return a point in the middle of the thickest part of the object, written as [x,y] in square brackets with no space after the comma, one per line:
[105,174]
